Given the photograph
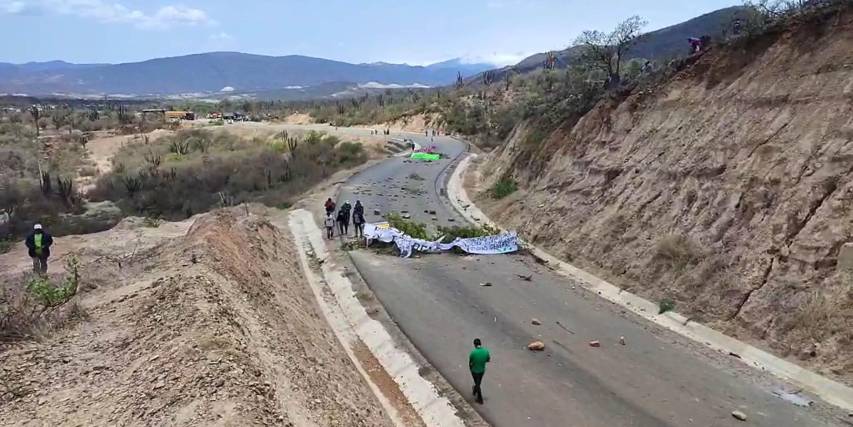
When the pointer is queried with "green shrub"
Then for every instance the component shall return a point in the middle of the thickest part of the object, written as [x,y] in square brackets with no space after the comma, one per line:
[50,296]
[451,233]
[6,245]
[665,305]
[503,188]
[414,229]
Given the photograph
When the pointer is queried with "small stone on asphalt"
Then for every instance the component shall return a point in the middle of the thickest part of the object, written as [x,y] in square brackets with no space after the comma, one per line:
[595,344]
[536,322]
[536,346]
[739,415]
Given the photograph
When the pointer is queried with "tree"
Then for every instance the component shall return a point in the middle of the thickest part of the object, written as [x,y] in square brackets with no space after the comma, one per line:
[606,51]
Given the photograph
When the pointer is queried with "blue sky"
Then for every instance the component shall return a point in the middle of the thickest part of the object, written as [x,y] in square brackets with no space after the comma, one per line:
[415,31]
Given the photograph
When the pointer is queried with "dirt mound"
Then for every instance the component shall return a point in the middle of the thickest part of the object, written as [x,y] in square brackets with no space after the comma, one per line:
[215,327]
[410,123]
[299,119]
[728,190]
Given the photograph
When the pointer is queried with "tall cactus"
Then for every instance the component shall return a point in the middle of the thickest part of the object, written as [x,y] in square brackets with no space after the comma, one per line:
[550,61]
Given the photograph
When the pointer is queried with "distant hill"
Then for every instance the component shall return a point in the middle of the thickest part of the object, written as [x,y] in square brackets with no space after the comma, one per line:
[655,45]
[211,72]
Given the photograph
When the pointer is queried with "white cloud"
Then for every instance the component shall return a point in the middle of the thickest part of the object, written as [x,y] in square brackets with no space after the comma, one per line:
[221,36]
[15,7]
[377,85]
[113,12]
[496,58]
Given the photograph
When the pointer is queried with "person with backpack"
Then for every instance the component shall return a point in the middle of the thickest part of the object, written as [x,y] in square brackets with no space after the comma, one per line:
[346,208]
[358,219]
[477,360]
[343,222]
[330,206]
[330,226]
[38,246]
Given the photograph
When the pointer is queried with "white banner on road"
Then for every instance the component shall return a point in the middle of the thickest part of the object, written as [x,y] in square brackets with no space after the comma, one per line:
[489,245]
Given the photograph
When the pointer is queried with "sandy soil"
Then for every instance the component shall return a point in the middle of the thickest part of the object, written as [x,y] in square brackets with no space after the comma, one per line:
[202,322]
[299,119]
[103,148]
[418,123]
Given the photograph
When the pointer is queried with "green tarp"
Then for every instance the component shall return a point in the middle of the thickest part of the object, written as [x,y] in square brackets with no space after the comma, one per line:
[427,157]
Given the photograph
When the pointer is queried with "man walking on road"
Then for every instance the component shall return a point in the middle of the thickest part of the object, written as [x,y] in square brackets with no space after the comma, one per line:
[38,244]
[477,363]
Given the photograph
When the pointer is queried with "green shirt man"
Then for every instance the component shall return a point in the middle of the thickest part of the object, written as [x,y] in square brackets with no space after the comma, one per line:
[477,363]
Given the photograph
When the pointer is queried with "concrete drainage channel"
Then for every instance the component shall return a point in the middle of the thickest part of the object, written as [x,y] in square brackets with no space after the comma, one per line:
[830,391]
[355,329]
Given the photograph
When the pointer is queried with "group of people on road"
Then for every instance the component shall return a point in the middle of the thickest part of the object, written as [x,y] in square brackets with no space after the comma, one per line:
[346,213]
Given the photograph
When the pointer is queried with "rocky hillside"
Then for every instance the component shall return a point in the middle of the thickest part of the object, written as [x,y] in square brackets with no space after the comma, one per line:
[727,189]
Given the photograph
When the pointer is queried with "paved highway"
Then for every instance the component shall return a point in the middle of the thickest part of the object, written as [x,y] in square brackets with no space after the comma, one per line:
[655,379]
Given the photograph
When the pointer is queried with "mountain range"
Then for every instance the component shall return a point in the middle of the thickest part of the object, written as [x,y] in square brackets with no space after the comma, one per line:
[215,71]
[296,77]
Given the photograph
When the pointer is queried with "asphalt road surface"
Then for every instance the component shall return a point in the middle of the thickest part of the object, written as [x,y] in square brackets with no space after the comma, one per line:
[440,303]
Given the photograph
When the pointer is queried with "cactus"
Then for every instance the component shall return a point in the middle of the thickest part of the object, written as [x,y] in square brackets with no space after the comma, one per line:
[550,61]
[488,78]
[132,184]
[153,159]
[65,190]
[45,183]
[34,111]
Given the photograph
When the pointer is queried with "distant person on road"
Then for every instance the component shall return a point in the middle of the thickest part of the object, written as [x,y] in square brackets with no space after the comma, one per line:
[38,245]
[330,206]
[477,364]
[358,219]
[330,226]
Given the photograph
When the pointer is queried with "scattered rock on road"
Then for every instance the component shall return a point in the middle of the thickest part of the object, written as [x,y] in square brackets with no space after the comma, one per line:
[525,278]
[739,415]
[595,344]
[536,322]
[486,284]
[536,346]
[622,340]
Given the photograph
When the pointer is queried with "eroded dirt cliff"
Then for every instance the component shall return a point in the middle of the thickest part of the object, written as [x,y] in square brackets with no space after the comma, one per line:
[206,322]
[728,189]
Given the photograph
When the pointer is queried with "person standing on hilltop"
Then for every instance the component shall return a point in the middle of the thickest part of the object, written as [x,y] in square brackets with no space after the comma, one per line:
[330,206]
[477,364]
[38,245]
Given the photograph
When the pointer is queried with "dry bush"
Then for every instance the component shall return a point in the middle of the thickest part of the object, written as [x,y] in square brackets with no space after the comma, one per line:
[823,313]
[677,251]
[88,171]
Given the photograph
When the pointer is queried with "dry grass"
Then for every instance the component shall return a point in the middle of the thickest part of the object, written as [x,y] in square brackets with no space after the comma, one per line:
[678,251]
[823,312]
